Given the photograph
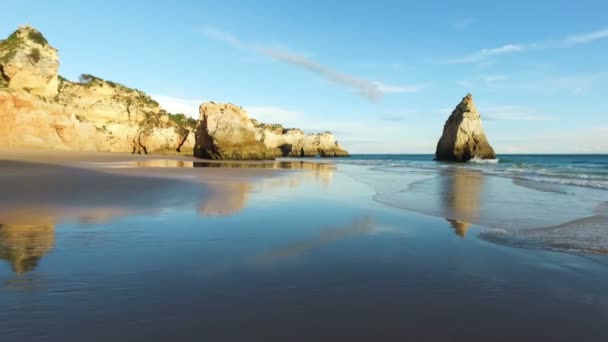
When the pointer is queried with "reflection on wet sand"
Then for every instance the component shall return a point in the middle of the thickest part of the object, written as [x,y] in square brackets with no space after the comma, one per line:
[322,172]
[462,199]
[362,225]
[37,197]
[225,199]
[22,246]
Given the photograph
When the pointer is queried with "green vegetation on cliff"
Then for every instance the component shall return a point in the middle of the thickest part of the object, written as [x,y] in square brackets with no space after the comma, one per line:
[182,120]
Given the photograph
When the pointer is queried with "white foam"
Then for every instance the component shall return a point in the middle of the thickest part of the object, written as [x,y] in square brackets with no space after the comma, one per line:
[484,161]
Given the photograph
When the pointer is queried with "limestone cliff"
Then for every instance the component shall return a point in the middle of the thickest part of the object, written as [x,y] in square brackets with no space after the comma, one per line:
[226,132]
[463,137]
[293,142]
[40,109]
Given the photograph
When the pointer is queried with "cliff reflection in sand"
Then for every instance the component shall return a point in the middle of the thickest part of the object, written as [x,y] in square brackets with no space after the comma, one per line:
[22,246]
[462,198]
[360,226]
[37,197]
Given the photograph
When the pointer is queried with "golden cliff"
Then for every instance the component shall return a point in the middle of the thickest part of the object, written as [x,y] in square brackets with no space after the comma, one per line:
[40,109]
[225,131]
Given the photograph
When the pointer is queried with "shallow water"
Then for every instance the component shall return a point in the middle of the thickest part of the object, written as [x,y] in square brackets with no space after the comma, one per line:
[305,256]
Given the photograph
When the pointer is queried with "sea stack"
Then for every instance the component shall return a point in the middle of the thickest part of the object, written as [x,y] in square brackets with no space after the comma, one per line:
[463,138]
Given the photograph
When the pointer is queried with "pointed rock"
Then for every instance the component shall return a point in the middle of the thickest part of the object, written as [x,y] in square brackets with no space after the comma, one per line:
[463,138]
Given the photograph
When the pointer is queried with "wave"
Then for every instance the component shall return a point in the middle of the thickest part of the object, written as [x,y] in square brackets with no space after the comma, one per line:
[484,161]
[553,170]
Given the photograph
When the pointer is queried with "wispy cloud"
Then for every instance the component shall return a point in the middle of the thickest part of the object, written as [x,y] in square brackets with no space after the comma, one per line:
[268,114]
[371,90]
[392,89]
[568,41]
[273,114]
[485,53]
[573,84]
[179,105]
[464,23]
[512,113]
[585,38]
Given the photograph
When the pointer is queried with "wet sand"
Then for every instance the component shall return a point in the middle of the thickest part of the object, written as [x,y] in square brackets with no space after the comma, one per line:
[148,248]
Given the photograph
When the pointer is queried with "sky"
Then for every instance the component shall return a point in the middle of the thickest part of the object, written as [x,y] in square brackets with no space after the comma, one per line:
[383,76]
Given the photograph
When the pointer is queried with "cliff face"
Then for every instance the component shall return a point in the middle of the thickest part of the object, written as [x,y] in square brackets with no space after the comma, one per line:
[29,63]
[225,131]
[463,137]
[39,109]
[293,142]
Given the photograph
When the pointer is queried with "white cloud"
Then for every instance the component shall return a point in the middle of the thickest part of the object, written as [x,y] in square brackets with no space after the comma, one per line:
[464,23]
[485,53]
[392,89]
[178,105]
[568,41]
[270,114]
[368,89]
[267,114]
[585,38]
[465,83]
[512,113]
[494,78]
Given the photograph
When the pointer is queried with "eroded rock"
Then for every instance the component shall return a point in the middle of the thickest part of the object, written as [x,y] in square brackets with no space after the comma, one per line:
[226,132]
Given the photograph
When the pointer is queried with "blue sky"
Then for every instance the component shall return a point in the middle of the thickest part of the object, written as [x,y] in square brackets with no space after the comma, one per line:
[383,75]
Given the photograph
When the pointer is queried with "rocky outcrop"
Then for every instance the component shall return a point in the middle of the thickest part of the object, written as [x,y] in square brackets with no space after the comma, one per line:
[463,137]
[226,132]
[293,142]
[40,109]
[29,63]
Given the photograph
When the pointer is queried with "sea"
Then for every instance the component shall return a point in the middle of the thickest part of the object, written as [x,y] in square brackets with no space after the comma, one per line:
[540,201]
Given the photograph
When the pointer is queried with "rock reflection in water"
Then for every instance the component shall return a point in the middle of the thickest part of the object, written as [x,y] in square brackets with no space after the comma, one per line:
[22,246]
[56,194]
[462,198]
[360,226]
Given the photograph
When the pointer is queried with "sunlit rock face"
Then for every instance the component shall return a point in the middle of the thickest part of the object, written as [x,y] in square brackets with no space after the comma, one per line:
[463,137]
[29,63]
[293,142]
[22,246]
[40,109]
[226,132]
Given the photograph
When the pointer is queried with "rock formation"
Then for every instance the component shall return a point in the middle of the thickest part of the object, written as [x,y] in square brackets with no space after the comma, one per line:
[463,138]
[292,142]
[40,109]
[226,132]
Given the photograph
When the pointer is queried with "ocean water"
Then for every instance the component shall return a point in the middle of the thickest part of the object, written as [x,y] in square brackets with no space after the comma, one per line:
[580,170]
[540,201]
[356,251]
